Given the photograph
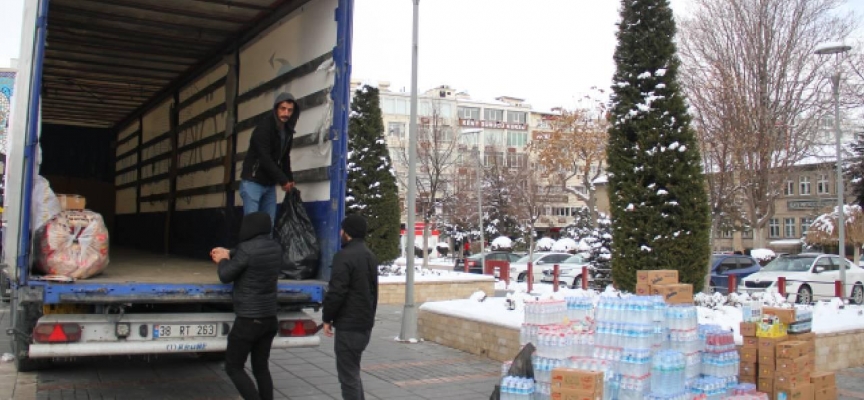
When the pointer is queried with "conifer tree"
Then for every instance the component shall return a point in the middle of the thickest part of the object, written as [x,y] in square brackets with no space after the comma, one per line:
[371,185]
[657,190]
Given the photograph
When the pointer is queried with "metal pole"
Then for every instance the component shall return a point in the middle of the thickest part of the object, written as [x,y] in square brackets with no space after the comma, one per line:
[409,313]
[480,194]
[841,221]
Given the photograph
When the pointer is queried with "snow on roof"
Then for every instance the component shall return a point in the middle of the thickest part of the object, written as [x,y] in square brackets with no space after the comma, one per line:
[601,179]
[786,242]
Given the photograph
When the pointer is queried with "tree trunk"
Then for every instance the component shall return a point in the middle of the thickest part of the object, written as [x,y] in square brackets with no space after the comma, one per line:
[706,287]
[758,237]
[856,257]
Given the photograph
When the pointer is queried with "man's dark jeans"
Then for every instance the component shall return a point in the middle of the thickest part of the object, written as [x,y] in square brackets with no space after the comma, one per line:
[255,336]
[349,346]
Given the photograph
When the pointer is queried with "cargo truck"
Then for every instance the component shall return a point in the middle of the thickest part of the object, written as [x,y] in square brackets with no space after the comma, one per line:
[145,108]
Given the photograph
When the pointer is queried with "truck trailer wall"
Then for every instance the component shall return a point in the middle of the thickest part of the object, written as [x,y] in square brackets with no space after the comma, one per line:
[178,166]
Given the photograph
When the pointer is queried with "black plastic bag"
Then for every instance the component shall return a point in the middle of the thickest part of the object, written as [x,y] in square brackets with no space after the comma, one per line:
[521,366]
[294,230]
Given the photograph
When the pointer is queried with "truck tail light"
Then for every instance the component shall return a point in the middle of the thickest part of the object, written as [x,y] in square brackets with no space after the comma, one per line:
[57,333]
[297,327]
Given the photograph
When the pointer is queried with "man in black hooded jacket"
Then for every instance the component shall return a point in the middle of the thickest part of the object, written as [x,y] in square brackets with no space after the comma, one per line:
[253,267]
[351,303]
[268,160]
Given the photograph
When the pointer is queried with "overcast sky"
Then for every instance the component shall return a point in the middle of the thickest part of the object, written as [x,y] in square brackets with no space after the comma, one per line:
[548,53]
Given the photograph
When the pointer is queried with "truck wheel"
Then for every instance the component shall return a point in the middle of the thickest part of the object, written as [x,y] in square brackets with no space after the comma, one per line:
[26,321]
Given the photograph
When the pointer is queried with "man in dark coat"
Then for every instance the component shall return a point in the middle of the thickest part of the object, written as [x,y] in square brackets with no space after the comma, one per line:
[268,160]
[350,304]
[253,267]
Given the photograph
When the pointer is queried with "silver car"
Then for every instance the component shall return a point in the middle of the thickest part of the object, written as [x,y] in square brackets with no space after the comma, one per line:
[569,272]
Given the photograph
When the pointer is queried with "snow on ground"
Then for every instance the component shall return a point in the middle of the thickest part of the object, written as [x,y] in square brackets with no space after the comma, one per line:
[828,317]
[396,274]
[436,263]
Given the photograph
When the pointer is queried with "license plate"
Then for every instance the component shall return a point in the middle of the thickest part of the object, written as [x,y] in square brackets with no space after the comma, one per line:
[181,331]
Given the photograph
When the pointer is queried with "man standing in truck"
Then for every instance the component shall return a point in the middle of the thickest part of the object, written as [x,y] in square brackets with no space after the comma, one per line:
[350,304]
[268,161]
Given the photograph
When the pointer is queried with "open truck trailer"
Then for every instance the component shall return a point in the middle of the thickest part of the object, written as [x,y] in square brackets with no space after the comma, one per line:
[145,108]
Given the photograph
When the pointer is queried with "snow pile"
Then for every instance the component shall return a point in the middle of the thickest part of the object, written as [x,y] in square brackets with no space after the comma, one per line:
[545,244]
[833,316]
[565,245]
[717,300]
[478,296]
[727,317]
[396,274]
[502,243]
[763,254]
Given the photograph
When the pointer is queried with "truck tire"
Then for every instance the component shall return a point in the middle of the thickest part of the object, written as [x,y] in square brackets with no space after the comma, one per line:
[26,321]
[212,356]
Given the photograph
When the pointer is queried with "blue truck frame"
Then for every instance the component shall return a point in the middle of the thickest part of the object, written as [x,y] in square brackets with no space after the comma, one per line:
[326,216]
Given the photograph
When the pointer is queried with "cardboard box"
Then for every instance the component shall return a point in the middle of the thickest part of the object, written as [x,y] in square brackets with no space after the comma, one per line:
[791,349]
[829,393]
[804,392]
[784,381]
[794,367]
[749,355]
[765,385]
[766,371]
[766,357]
[748,368]
[769,345]
[803,337]
[577,379]
[573,394]
[657,277]
[775,329]
[823,380]
[748,329]
[679,293]
[751,342]
[786,315]
[748,379]
[643,289]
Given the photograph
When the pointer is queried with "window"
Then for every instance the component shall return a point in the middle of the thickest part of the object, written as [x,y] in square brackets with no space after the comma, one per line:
[445,111]
[493,137]
[805,225]
[469,139]
[822,184]
[493,158]
[774,228]
[517,138]
[804,187]
[491,114]
[517,160]
[789,226]
[469,113]
[790,187]
[396,129]
[728,264]
[747,234]
[516,117]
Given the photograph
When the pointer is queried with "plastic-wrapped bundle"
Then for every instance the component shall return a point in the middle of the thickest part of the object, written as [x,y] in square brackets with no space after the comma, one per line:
[73,244]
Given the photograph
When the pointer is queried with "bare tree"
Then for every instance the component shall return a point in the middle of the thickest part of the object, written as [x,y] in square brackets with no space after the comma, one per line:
[436,158]
[757,92]
[531,194]
[575,148]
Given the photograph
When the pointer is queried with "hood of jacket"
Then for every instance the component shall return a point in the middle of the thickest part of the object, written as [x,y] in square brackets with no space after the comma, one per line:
[292,122]
[254,225]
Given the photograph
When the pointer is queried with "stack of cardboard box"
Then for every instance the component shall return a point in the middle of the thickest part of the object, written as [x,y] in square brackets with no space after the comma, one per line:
[824,386]
[749,354]
[576,384]
[663,283]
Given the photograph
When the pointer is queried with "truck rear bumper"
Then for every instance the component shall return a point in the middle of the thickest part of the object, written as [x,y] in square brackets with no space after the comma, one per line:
[154,347]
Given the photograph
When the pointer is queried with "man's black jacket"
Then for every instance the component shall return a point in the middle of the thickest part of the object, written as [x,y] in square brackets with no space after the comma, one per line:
[268,161]
[352,297]
[254,269]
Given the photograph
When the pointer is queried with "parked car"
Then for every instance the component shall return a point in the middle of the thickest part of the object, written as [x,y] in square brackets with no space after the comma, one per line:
[569,272]
[540,261]
[725,265]
[808,276]
[474,262]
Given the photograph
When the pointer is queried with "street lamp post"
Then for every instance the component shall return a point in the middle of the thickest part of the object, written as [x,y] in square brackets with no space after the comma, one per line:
[838,48]
[409,313]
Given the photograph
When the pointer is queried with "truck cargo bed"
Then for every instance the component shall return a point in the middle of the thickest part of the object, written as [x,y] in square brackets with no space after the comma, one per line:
[139,276]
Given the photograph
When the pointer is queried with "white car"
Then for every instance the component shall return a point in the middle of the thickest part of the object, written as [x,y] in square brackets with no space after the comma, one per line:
[540,261]
[569,272]
[809,277]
